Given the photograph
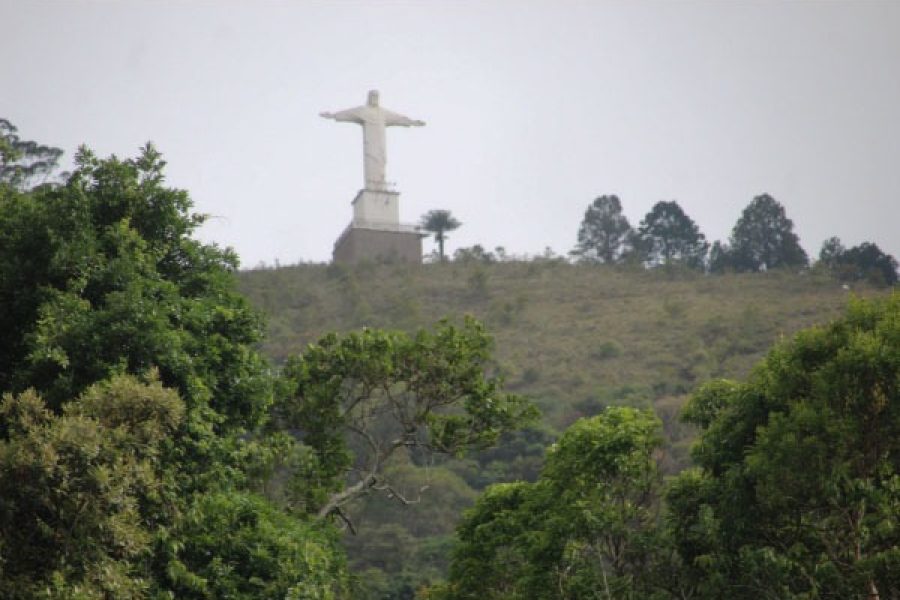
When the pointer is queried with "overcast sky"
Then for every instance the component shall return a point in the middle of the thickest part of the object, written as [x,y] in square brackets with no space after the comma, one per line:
[532,108]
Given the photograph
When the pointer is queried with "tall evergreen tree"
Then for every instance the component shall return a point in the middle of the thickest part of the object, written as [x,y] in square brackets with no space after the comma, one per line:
[604,235]
[668,236]
[764,238]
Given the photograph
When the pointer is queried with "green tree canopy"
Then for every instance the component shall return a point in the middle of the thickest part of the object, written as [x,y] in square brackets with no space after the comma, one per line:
[80,490]
[389,391]
[237,545]
[604,235]
[668,236]
[583,530]
[865,262]
[719,257]
[439,222]
[101,275]
[764,238]
[799,488]
[91,509]
[23,162]
[832,248]
[109,489]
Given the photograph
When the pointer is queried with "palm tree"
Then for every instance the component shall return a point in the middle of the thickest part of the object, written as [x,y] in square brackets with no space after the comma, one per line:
[439,222]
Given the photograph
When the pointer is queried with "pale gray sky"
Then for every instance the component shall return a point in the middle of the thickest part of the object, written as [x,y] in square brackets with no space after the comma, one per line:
[533,109]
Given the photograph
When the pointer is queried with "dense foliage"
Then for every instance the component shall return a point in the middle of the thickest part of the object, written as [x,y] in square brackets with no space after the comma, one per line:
[581,531]
[81,490]
[799,489]
[389,392]
[109,483]
[101,275]
[139,454]
[796,494]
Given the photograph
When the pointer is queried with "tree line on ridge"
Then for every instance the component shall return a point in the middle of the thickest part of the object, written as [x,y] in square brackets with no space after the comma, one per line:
[763,238]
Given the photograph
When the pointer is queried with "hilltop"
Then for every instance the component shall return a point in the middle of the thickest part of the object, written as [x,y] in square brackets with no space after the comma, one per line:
[566,335]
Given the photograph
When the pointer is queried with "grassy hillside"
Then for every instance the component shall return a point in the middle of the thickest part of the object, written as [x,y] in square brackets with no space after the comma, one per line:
[566,335]
[574,338]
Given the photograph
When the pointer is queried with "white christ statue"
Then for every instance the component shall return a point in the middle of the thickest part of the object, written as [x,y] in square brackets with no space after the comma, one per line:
[373,119]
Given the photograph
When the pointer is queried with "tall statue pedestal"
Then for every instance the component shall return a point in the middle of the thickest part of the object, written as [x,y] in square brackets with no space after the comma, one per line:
[376,206]
[376,234]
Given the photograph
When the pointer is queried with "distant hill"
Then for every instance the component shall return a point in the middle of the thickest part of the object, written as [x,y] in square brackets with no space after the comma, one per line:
[574,338]
[565,334]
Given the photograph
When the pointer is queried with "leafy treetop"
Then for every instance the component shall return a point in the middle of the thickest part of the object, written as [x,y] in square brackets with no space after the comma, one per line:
[135,490]
[101,275]
[865,262]
[763,238]
[798,489]
[668,236]
[604,234]
[388,391]
[23,161]
[580,531]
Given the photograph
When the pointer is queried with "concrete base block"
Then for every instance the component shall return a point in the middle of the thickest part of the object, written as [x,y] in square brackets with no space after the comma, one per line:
[376,245]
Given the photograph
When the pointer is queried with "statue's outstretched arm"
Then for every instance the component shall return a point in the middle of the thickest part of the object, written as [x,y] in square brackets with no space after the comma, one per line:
[351,115]
[391,118]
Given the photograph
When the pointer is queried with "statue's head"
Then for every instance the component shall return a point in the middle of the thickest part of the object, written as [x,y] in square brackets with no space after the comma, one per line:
[373,97]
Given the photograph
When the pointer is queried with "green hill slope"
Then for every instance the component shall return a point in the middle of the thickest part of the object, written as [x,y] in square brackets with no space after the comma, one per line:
[574,338]
[566,335]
